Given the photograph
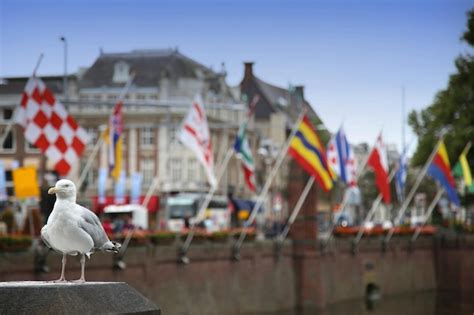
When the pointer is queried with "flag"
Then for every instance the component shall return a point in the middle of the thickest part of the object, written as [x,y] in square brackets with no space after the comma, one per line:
[195,134]
[49,127]
[379,164]
[401,176]
[440,170]
[136,187]
[308,151]
[114,140]
[244,153]
[242,148]
[102,185]
[119,197]
[341,158]
[462,169]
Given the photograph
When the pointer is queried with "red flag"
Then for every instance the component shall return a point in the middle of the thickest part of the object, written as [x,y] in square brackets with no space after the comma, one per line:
[49,127]
[379,164]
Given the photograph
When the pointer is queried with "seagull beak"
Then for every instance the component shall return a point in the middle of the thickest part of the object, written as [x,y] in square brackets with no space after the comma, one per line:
[52,190]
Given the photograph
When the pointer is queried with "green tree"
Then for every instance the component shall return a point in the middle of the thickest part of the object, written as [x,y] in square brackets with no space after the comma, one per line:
[452,110]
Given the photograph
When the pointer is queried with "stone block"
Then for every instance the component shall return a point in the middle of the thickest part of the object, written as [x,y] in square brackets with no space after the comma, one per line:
[39,297]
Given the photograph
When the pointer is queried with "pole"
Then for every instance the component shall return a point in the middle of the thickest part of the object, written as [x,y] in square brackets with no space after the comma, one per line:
[268,182]
[296,210]
[99,142]
[433,204]
[403,116]
[89,162]
[375,205]
[410,196]
[207,200]
[65,85]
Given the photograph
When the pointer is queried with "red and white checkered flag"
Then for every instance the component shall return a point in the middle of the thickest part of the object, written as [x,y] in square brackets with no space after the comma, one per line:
[49,127]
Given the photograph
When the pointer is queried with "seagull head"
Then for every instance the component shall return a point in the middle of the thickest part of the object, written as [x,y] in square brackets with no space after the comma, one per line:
[64,189]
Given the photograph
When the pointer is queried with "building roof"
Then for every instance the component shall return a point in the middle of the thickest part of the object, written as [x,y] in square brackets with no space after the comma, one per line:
[275,98]
[16,85]
[149,65]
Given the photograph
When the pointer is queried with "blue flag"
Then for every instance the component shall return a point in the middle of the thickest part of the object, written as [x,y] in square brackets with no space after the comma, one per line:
[401,176]
[120,189]
[136,187]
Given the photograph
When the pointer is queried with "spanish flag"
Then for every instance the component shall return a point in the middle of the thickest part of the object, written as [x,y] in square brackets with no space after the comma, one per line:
[308,151]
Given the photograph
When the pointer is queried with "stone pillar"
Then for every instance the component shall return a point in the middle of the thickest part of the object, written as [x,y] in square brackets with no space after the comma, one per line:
[132,150]
[304,233]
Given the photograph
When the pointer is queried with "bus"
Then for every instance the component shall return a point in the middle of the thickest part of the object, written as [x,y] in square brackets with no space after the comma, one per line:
[182,207]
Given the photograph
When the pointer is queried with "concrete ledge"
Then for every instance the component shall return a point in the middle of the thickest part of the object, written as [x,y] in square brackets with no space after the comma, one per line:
[38,297]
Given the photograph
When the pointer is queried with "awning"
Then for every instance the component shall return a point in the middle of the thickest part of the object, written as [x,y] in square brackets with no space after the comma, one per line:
[153,205]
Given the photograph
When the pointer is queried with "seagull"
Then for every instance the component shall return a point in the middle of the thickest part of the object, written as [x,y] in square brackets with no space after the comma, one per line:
[74,230]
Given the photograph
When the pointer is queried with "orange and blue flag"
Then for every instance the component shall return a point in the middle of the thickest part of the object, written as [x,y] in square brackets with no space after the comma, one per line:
[440,170]
[115,130]
[306,148]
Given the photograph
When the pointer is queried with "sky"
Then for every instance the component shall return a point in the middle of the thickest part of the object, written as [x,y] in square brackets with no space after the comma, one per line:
[353,57]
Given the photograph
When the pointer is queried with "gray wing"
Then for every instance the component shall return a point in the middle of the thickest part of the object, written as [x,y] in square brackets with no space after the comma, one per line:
[45,236]
[90,223]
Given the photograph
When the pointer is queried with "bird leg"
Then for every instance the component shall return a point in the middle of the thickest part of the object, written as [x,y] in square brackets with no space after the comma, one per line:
[63,268]
[83,265]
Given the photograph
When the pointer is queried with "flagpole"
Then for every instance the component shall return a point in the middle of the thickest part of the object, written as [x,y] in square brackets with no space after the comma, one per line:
[266,187]
[375,205]
[433,204]
[466,148]
[296,210]
[346,198]
[9,127]
[90,161]
[205,204]
[410,196]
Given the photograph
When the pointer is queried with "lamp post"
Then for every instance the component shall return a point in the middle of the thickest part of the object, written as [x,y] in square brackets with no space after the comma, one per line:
[65,86]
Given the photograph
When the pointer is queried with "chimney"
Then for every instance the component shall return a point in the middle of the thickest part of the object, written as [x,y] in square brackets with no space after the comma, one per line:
[299,92]
[248,69]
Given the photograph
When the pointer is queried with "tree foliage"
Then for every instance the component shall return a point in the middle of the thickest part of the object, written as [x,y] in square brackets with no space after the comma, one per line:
[452,111]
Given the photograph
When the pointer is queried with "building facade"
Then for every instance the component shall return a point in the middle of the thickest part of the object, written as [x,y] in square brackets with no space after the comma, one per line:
[164,85]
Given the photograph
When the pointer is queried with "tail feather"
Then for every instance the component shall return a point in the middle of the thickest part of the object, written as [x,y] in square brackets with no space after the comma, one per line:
[112,247]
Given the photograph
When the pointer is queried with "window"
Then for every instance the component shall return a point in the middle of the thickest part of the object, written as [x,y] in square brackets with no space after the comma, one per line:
[141,97]
[148,171]
[192,169]
[9,143]
[29,147]
[175,169]
[121,72]
[173,136]
[111,97]
[6,114]
[147,137]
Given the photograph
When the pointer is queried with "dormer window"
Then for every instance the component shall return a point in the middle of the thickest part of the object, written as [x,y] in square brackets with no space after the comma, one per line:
[121,72]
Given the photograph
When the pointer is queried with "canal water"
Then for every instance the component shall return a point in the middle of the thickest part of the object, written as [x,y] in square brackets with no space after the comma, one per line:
[422,303]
